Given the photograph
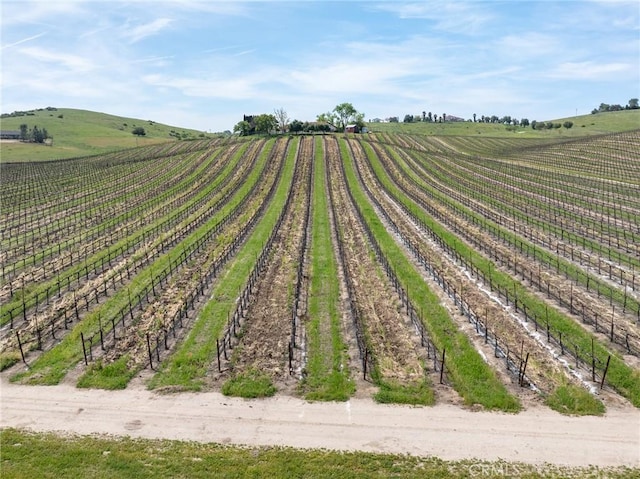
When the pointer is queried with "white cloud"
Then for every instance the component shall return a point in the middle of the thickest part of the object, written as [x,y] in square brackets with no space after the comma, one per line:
[238,87]
[590,70]
[24,40]
[529,44]
[72,62]
[452,16]
[135,34]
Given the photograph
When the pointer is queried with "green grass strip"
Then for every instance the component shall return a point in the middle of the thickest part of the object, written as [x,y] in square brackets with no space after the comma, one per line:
[327,376]
[36,289]
[474,380]
[623,378]
[49,456]
[188,366]
[52,366]
[567,267]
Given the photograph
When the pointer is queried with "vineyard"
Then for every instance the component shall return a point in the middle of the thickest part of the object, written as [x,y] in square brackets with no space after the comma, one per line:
[493,272]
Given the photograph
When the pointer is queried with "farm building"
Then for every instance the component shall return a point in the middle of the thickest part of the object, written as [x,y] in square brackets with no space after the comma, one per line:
[352,129]
[10,135]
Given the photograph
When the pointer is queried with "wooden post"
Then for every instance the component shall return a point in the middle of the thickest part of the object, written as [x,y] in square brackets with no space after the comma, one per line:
[593,363]
[522,372]
[20,346]
[442,366]
[218,354]
[149,351]
[604,374]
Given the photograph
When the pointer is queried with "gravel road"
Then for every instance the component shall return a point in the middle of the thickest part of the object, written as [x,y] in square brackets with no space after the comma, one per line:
[537,435]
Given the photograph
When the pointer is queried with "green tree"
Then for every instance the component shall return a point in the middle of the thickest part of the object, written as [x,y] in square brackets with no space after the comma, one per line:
[266,123]
[138,131]
[24,132]
[633,104]
[296,126]
[243,128]
[38,135]
[567,124]
[525,122]
[342,115]
[408,118]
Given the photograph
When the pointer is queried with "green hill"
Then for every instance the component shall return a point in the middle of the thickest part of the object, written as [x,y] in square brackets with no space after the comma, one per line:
[584,125]
[82,132]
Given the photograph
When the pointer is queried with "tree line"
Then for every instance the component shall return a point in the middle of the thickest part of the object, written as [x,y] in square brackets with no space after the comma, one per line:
[631,105]
[34,135]
[335,120]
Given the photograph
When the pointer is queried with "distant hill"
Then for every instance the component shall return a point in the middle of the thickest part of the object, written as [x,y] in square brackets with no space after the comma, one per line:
[82,132]
[584,125]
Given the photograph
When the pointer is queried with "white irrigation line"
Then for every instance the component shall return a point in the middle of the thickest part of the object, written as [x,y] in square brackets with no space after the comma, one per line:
[532,333]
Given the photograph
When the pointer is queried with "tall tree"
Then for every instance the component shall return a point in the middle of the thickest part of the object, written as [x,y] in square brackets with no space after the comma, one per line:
[266,123]
[243,128]
[633,104]
[24,132]
[342,115]
[282,118]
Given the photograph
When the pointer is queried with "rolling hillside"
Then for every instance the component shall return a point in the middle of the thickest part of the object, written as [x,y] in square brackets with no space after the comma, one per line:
[583,125]
[82,132]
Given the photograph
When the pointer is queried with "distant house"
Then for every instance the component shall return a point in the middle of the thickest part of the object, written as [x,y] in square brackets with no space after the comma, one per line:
[352,129]
[10,135]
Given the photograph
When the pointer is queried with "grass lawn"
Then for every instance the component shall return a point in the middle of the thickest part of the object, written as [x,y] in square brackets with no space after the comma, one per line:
[26,454]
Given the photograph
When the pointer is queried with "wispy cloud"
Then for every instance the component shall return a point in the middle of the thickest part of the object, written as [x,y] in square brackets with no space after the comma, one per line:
[590,70]
[24,40]
[74,63]
[458,17]
[244,52]
[135,34]
[190,61]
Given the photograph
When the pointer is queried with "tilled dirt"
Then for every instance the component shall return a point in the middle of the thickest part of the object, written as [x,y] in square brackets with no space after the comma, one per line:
[263,343]
[388,331]
[543,373]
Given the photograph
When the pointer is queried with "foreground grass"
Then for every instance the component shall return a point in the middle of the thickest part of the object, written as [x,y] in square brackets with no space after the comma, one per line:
[249,384]
[472,378]
[27,455]
[327,372]
[188,366]
[574,400]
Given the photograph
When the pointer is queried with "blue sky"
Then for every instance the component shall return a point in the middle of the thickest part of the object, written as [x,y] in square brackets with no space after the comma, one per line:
[204,64]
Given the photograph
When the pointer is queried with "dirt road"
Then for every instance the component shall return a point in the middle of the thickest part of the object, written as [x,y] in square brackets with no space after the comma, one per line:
[534,436]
